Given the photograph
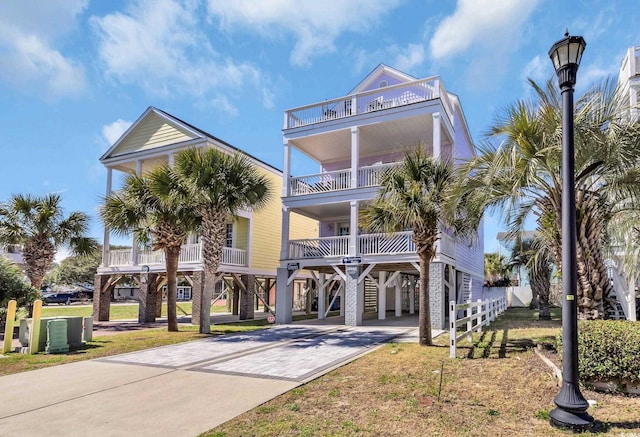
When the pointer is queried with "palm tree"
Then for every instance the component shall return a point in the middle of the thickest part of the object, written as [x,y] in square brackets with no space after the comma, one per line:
[221,185]
[496,269]
[540,268]
[155,207]
[416,196]
[40,226]
[518,171]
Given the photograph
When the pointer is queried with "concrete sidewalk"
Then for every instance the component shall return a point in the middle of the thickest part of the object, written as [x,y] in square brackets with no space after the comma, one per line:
[183,389]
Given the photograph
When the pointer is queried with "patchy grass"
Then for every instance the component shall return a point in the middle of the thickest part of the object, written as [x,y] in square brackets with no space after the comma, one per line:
[117,311]
[496,387]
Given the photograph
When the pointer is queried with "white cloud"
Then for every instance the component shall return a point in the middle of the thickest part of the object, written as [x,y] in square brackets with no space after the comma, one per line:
[488,24]
[314,25]
[539,69]
[157,45]
[410,57]
[112,132]
[29,59]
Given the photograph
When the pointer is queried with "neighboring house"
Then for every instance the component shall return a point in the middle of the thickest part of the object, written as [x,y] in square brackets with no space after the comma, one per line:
[627,286]
[13,252]
[251,254]
[354,139]
[629,77]
[519,272]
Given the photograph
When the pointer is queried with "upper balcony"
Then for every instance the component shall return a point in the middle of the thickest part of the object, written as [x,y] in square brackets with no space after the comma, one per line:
[190,255]
[370,101]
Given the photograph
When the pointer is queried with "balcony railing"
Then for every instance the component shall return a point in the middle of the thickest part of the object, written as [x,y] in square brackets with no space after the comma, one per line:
[319,247]
[379,244]
[189,253]
[337,180]
[368,244]
[370,101]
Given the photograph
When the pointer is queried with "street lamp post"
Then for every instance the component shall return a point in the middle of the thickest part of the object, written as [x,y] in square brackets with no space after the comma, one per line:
[571,405]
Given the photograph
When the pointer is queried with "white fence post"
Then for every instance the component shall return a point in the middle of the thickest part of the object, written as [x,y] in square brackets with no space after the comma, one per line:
[452,328]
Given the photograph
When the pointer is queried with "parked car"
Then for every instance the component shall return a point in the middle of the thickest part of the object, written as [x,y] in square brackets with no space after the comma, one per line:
[59,298]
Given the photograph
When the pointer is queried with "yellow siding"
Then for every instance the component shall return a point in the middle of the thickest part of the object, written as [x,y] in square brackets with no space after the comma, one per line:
[153,132]
[267,228]
[242,233]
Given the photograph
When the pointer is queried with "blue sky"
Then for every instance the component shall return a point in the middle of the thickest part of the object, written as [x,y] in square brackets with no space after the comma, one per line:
[75,73]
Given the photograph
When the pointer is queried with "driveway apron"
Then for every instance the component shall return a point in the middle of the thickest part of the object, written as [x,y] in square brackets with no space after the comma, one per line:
[183,389]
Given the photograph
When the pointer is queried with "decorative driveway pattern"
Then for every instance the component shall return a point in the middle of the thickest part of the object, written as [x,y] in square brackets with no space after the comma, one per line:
[212,348]
[289,352]
[303,358]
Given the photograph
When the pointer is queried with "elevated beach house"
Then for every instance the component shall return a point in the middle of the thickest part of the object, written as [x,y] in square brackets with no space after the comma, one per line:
[251,253]
[354,139]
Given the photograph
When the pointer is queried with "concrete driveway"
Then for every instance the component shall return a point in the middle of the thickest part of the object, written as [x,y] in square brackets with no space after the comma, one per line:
[182,389]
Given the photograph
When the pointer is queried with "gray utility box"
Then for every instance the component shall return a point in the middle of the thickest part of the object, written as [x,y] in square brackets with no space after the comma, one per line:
[57,336]
[75,332]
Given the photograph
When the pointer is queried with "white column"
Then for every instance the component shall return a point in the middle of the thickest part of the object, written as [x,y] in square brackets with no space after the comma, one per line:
[355,155]
[105,238]
[286,172]
[353,229]
[284,242]
[398,296]
[284,297]
[171,159]
[412,295]
[382,296]
[134,244]
[437,141]
[322,292]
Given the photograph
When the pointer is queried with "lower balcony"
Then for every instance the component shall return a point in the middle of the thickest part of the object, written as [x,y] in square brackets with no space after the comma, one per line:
[367,244]
[189,254]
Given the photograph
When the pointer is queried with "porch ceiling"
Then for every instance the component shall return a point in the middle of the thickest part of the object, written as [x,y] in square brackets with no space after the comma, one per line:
[375,139]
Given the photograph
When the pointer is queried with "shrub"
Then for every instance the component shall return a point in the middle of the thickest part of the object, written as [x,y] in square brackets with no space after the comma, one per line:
[609,350]
[13,286]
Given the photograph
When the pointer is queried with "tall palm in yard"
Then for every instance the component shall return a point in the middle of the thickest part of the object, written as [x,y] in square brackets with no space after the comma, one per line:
[416,196]
[540,267]
[221,185]
[518,171]
[40,226]
[154,207]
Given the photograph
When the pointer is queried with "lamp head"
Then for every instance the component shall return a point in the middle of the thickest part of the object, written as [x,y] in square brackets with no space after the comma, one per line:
[566,55]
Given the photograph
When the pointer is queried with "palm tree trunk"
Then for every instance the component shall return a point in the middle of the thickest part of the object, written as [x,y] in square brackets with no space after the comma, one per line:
[424,311]
[172,255]
[594,285]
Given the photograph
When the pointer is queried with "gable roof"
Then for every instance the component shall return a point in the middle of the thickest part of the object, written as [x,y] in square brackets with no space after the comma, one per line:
[156,128]
[377,73]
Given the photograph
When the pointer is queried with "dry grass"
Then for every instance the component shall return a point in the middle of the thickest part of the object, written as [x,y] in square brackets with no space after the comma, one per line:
[498,387]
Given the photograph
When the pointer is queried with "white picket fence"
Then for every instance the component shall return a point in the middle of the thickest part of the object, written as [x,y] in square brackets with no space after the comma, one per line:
[485,312]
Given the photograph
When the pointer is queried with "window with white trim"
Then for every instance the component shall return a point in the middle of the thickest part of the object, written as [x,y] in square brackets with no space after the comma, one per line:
[228,242]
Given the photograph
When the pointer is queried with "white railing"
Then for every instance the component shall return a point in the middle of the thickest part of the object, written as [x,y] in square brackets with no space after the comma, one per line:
[477,315]
[150,257]
[189,253]
[369,101]
[319,247]
[234,257]
[624,294]
[380,244]
[370,176]
[320,183]
[120,257]
[368,244]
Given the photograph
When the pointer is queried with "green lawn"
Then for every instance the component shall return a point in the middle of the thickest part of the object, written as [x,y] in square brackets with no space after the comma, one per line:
[118,311]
